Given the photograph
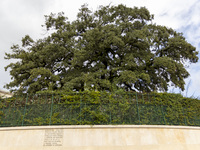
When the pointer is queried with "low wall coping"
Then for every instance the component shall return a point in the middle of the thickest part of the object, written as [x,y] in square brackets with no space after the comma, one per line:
[98,127]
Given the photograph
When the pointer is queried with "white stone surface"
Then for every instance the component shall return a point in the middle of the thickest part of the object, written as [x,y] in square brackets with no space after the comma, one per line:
[100,137]
[5,94]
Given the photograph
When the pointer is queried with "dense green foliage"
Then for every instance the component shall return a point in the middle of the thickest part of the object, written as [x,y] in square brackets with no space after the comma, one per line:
[108,49]
[92,107]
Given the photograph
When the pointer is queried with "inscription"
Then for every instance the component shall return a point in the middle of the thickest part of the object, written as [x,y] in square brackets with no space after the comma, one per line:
[53,137]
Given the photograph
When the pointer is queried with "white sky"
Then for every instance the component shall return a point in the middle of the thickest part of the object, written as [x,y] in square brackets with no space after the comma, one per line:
[21,17]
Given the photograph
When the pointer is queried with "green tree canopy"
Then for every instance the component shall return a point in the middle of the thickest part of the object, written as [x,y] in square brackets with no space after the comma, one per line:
[113,47]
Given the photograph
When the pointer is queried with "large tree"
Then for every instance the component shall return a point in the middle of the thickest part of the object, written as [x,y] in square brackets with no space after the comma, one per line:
[113,47]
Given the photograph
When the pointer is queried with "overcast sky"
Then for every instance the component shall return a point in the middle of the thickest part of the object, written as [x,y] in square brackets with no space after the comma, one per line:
[21,17]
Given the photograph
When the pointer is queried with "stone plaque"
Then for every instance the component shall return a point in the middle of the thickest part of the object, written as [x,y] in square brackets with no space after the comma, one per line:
[53,137]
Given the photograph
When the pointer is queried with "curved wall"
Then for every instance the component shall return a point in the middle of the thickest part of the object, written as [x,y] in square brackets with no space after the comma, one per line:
[100,137]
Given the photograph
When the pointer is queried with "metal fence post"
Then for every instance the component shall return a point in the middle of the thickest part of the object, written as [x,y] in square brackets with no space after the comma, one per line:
[184,117]
[142,98]
[24,110]
[80,106]
[51,109]
[130,119]
[138,109]
[148,97]
[163,114]
[110,112]
[4,120]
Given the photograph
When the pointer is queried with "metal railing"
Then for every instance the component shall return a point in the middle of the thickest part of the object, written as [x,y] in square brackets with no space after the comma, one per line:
[80,109]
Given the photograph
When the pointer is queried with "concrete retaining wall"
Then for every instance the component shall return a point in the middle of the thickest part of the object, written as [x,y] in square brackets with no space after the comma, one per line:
[108,137]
